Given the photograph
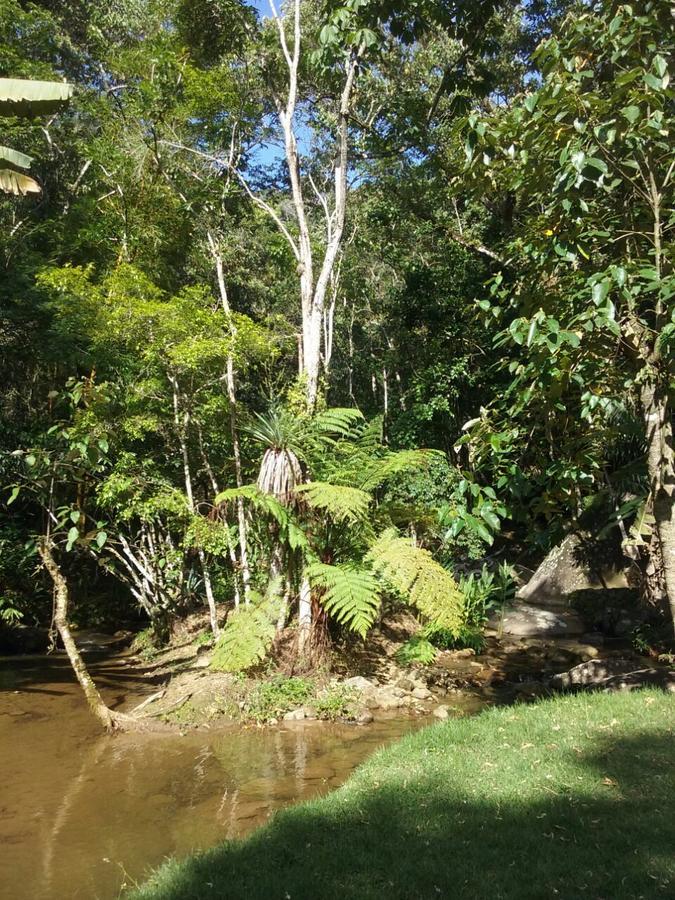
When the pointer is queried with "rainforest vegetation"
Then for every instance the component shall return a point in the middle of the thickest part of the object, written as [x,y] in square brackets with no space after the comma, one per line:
[310,311]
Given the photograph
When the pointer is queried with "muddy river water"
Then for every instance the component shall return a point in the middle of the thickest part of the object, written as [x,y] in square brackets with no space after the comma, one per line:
[82,815]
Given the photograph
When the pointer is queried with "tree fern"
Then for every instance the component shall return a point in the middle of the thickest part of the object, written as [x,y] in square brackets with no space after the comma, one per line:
[351,594]
[341,503]
[380,470]
[247,636]
[270,506]
[338,421]
[416,575]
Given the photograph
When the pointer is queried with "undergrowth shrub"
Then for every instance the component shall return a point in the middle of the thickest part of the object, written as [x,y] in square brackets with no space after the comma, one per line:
[337,702]
[417,649]
[271,699]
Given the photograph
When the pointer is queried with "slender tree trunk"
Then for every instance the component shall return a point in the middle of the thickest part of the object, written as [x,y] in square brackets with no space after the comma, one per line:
[661,469]
[304,615]
[181,431]
[104,715]
[234,431]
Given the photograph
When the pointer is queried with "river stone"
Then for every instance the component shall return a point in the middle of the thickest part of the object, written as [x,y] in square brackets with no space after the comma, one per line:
[295,715]
[613,675]
[525,620]
[387,700]
[578,563]
[441,712]
[421,693]
[359,683]
[310,712]
[363,717]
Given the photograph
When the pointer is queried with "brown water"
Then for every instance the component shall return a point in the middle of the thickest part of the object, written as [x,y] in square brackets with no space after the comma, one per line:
[82,814]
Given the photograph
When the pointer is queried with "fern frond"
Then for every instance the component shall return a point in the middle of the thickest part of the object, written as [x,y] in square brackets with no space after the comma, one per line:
[352,595]
[247,636]
[263,502]
[381,470]
[341,503]
[370,439]
[415,574]
[337,422]
[270,506]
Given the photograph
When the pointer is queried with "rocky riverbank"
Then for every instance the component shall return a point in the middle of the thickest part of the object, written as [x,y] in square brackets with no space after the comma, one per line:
[188,693]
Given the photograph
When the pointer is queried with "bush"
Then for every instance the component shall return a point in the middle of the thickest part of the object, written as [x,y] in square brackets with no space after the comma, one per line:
[418,649]
[273,698]
[338,702]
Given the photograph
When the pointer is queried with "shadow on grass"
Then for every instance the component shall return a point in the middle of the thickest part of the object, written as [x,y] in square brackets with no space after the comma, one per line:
[604,829]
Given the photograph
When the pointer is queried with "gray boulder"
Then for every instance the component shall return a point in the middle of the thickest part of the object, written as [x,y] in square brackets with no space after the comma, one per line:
[526,620]
[613,675]
[578,563]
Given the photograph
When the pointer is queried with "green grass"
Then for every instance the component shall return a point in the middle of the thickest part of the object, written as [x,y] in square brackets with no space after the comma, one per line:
[568,798]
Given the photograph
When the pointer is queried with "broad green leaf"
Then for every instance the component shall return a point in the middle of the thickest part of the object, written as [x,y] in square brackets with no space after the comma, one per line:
[73,535]
[20,97]
[600,291]
[12,159]
[632,113]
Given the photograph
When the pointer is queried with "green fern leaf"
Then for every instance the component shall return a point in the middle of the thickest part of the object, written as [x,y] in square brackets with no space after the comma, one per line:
[247,636]
[336,422]
[416,576]
[268,505]
[381,470]
[342,503]
[351,595]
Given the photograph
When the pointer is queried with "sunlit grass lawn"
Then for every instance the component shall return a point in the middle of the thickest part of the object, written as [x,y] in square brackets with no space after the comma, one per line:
[570,798]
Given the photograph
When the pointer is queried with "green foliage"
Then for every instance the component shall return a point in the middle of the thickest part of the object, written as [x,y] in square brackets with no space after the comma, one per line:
[417,650]
[336,702]
[272,698]
[247,636]
[146,643]
[341,503]
[586,303]
[416,576]
[469,637]
[351,595]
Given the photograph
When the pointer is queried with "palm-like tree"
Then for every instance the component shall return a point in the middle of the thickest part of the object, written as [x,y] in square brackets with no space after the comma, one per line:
[317,486]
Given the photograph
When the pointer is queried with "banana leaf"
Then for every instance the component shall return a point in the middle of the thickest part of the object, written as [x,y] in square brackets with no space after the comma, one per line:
[12,159]
[21,97]
[12,182]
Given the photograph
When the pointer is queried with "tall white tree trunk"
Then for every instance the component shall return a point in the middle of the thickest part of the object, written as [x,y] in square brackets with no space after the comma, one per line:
[304,615]
[234,431]
[182,423]
[313,293]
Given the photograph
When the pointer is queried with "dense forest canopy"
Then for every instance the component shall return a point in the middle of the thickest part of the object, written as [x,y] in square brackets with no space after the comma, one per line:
[320,304]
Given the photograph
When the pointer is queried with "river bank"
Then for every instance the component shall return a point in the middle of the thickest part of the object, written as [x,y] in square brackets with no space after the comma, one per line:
[358,684]
[85,814]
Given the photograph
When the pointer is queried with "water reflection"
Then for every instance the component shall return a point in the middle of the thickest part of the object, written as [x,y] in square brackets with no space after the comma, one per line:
[82,814]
